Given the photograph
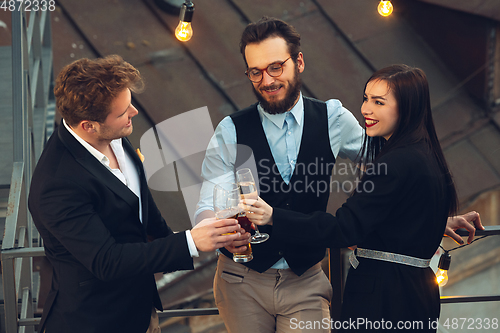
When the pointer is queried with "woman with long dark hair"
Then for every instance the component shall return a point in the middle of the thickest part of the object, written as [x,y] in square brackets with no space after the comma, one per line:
[396,216]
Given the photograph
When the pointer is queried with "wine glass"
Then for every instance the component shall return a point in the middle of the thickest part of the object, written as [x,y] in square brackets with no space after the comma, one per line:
[248,190]
[226,200]
[226,205]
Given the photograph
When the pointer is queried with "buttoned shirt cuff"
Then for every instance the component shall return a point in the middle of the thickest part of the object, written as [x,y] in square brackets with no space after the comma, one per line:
[191,245]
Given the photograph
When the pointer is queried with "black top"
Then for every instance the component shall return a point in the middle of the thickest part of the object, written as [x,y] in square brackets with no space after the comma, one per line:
[402,208]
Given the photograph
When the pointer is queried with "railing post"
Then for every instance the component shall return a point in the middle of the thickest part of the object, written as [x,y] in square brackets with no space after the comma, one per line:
[10,295]
[18,106]
[10,235]
[28,92]
[18,81]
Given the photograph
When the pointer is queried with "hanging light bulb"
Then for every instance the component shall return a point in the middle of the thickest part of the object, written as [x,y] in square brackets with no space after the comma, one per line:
[385,8]
[443,267]
[184,31]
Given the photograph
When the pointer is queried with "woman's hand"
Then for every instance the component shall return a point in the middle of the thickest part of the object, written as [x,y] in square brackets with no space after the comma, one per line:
[258,211]
[463,221]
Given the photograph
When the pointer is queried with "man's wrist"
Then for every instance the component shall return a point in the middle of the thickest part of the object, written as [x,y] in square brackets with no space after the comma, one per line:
[193,251]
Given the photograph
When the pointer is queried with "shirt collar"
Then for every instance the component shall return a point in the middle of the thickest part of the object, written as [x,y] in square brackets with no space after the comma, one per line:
[94,152]
[279,119]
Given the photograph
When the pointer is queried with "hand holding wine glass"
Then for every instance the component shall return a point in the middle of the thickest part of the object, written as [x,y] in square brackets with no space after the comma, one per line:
[226,205]
[248,190]
[211,233]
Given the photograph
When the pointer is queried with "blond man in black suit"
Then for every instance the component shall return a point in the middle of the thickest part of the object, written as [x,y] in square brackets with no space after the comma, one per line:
[91,203]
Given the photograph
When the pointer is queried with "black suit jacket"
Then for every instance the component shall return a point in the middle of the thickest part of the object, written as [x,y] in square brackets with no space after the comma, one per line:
[103,265]
[401,208]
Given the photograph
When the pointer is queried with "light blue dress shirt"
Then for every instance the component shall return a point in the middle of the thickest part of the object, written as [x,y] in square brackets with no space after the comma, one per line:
[284,134]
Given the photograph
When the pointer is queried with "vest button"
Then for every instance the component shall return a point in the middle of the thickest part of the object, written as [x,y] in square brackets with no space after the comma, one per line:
[280,253]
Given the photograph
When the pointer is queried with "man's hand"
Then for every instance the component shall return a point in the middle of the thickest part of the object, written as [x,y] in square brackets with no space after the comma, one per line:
[463,221]
[211,234]
[240,243]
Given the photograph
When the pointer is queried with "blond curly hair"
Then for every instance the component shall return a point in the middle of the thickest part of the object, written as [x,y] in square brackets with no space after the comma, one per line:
[85,88]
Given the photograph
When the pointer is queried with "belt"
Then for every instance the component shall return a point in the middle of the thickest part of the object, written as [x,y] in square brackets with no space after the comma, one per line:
[387,256]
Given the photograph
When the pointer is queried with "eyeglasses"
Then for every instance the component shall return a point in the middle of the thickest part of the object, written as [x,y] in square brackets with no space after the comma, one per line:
[274,70]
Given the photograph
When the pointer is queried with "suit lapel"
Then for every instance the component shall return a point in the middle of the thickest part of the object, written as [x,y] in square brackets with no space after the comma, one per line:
[96,168]
[127,146]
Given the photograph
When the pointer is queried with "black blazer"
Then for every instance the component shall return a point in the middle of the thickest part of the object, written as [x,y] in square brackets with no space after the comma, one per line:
[103,265]
[402,209]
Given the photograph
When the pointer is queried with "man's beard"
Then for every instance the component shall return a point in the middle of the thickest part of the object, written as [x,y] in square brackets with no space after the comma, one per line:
[287,103]
[108,134]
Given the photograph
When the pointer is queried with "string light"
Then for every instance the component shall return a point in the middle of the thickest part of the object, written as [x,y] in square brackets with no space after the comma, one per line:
[184,30]
[445,261]
[443,267]
[385,8]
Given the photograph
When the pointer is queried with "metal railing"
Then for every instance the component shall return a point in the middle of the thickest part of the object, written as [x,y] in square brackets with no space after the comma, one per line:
[335,278]
[335,273]
[31,81]
[489,231]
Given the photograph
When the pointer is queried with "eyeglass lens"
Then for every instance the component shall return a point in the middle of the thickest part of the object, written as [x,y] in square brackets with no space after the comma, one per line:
[274,70]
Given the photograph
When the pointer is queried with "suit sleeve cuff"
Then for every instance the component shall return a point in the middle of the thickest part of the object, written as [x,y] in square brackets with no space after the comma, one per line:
[191,245]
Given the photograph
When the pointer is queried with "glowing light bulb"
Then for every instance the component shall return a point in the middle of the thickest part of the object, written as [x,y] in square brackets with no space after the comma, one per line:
[385,8]
[184,30]
[442,277]
[443,267]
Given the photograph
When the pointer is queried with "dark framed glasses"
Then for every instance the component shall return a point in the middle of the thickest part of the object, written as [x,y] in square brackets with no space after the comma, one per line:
[275,69]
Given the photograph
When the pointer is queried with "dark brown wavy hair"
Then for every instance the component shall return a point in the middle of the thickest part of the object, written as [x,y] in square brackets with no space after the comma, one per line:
[85,88]
[268,27]
[411,90]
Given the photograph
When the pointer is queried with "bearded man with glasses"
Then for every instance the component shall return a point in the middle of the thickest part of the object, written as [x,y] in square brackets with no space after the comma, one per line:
[280,290]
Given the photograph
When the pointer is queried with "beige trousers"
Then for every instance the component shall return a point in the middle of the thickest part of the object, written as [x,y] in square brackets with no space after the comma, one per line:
[273,301]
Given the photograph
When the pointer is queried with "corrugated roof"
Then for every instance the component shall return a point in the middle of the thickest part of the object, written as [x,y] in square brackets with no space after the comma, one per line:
[486,8]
